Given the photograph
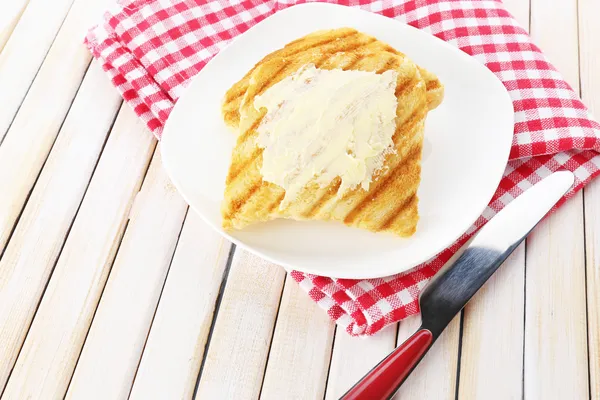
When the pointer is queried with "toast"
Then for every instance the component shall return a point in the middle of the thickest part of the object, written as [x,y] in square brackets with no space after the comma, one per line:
[390,203]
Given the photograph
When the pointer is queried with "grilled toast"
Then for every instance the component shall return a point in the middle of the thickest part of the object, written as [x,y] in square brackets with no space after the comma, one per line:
[390,203]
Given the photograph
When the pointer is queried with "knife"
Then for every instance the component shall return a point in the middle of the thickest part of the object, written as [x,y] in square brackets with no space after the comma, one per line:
[454,285]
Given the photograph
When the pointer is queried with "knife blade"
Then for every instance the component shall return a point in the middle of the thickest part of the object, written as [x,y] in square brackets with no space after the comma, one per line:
[455,284]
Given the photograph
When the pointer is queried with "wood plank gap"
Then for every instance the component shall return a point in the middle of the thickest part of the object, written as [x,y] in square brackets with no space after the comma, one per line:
[62,245]
[460,340]
[214,317]
[585,255]
[524,316]
[3,134]
[144,175]
[578,34]
[16,221]
[159,298]
[530,14]
[585,274]
[330,359]
[262,383]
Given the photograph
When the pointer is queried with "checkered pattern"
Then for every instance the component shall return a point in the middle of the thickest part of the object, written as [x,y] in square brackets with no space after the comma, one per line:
[152,48]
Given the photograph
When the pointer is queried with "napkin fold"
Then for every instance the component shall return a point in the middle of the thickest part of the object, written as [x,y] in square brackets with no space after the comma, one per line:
[152,48]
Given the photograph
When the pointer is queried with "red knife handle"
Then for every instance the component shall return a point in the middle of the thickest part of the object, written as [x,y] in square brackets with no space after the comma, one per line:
[385,379]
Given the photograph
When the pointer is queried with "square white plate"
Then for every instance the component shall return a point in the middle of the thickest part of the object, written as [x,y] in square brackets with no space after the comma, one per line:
[467,143]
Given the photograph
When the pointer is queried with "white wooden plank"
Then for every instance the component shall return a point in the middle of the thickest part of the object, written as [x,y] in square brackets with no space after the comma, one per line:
[559,45]
[10,13]
[520,10]
[556,364]
[115,342]
[435,376]
[353,357]
[492,342]
[41,231]
[35,127]
[22,55]
[173,354]
[58,331]
[237,354]
[589,53]
[301,348]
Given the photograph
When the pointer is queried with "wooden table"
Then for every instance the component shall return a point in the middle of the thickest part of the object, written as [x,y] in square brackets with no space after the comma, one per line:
[110,287]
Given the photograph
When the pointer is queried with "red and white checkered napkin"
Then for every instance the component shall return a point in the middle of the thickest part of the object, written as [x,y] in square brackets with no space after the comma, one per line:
[152,48]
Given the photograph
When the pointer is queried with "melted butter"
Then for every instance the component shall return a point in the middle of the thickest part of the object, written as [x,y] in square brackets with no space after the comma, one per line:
[323,124]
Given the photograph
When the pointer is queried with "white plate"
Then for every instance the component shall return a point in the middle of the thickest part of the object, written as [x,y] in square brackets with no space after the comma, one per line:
[467,143]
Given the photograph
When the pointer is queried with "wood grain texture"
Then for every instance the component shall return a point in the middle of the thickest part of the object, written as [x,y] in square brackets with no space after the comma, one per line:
[492,342]
[132,292]
[21,57]
[353,357]
[237,354]
[173,353]
[10,13]
[589,56]
[300,350]
[556,364]
[435,376]
[34,129]
[36,243]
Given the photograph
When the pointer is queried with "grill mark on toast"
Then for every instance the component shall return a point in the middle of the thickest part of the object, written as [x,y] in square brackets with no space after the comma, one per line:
[406,84]
[244,136]
[234,173]
[239,202]
[311,45]
[352,64]
[351,216]
[271,78]
[388,65]
[390,49]
[397,211]
[407,125]
[276,203]
[432,85]
[328,195]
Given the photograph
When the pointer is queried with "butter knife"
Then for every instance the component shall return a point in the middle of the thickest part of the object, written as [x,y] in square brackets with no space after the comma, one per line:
[454,285]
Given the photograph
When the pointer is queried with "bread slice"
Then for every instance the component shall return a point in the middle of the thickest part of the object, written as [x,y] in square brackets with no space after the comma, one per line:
[390,204]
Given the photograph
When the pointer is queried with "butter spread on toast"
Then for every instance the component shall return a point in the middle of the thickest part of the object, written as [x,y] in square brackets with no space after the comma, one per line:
[322,124]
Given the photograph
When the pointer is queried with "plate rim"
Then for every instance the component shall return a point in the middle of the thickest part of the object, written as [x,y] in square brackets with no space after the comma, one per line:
[347,273]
